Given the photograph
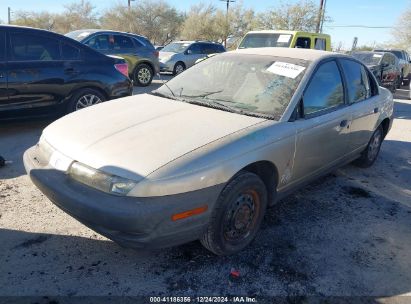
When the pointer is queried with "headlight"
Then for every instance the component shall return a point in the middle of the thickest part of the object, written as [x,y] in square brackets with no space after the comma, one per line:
[165,59]
[100,180]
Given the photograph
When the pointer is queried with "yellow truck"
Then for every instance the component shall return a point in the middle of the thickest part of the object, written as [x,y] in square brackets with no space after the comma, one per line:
[288,39]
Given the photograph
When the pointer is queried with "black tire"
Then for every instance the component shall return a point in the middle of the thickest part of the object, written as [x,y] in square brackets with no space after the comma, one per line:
[143,75]
[370,154]
[179,67]
[237,215]
[78,98]
[398,83]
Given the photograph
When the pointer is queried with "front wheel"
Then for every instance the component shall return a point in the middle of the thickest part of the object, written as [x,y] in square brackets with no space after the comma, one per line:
[143,75]
[237,215]
[369,155]
[179,68]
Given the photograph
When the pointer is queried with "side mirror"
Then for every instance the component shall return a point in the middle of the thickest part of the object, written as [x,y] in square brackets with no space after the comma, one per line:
[189,52]
[385,64]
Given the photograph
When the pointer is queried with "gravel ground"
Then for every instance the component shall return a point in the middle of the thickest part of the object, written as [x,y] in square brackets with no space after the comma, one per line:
[347,234]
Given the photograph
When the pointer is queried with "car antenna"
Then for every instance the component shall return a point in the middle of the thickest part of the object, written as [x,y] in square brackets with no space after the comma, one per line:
[165,83]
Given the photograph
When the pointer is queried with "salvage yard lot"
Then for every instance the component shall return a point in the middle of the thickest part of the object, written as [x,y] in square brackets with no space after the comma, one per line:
[347,234]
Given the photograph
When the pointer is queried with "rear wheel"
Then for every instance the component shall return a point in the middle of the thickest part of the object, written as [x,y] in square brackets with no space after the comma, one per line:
[237,215]
[85,98]
[369,155]
[143,75]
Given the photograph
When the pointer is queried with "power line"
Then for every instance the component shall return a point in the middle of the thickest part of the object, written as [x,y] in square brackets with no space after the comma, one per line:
[360,26]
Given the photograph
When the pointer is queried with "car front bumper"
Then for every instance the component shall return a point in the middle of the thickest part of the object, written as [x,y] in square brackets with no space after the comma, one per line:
[167,66]
[129,221]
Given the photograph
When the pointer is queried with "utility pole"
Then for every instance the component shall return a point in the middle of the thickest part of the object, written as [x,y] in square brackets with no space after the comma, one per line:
[9,15]
[323,16]
[129,3]
[226,20]
[320,14]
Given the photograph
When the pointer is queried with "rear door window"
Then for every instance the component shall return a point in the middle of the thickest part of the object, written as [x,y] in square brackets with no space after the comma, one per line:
[358,84]
[303,43]
[196,48]
[320,44]
[33,47]
[121,42]
[325,90]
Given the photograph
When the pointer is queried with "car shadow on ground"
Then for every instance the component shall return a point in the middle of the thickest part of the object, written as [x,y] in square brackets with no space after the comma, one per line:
[402,109]
[335,237]
[15,138]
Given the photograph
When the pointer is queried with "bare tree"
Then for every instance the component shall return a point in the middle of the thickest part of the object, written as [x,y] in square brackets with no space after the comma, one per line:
[209,23]
[401,33]
[204,22]
[302,16]
[43,20]
[76,15]
[156,20]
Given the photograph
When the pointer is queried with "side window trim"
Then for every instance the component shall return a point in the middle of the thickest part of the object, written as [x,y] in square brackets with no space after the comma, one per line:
[329,110]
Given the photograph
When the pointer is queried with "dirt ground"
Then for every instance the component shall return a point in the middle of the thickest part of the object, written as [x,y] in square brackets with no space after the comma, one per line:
[348,234]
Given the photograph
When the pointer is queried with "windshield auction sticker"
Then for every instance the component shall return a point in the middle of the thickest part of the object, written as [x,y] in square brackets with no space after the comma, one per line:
[285,69]
[283,38]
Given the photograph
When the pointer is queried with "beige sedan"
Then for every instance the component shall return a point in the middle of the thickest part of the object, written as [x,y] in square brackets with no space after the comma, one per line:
[206,154]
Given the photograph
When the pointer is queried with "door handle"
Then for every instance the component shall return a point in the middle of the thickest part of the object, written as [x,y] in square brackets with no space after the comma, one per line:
[344,124]
[1,75]
[70,71]
[375,110]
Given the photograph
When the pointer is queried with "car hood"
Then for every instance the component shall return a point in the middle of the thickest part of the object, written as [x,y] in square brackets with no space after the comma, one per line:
[165,55]
[134,136]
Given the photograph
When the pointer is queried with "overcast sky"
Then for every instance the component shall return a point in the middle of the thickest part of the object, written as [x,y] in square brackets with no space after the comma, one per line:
[377,13]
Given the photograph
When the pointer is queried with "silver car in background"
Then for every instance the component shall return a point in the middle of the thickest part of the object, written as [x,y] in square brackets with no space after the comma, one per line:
[178,56]
[204,156]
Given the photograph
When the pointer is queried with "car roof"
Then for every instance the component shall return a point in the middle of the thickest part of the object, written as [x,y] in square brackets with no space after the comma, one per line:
[285,32]
[389,50]
[196,41]
[372,52]
[93,31]
[296,53]
[26,28]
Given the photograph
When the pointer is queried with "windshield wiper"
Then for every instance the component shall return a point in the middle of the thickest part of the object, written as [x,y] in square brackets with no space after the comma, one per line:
[157,93]
[205,94]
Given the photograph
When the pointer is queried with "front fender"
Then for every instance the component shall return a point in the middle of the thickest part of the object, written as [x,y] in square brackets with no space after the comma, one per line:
[217,162]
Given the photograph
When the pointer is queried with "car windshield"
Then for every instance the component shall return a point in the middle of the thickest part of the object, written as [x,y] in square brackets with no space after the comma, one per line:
[248,84]
[368,58]
[176,47]
[256,40]
[78,35]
